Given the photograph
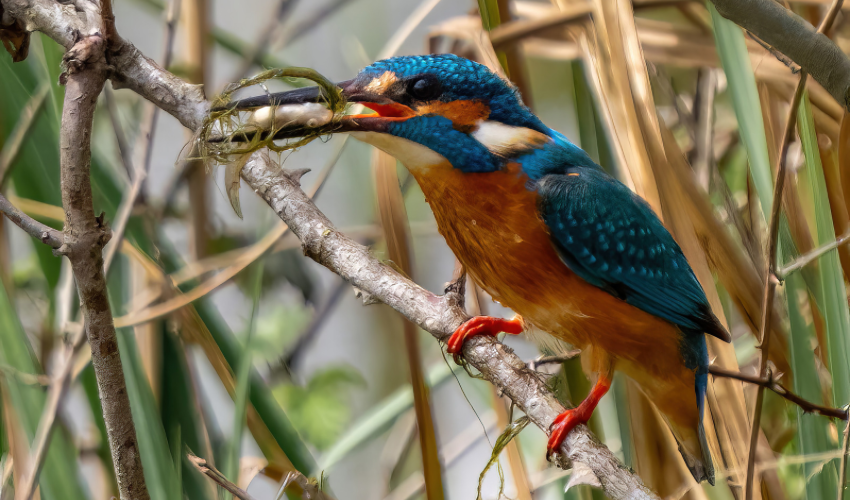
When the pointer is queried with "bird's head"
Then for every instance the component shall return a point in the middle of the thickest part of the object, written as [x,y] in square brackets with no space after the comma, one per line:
[437,109]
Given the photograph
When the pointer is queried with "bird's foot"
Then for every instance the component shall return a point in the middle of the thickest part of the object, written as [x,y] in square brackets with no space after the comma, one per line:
[561,427]
[483,325]
[570,419]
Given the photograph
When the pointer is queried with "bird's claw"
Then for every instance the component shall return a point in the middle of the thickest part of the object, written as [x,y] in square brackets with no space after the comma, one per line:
[482,325]
[561,427]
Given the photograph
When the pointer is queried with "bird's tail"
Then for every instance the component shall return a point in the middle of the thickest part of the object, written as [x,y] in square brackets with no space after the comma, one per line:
[695,452]
[675,401]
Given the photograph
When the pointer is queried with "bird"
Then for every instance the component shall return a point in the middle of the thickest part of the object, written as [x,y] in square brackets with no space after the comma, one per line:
[544,230]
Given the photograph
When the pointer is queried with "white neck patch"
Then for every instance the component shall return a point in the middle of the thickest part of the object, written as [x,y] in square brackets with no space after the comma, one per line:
[506,140]
[412,155]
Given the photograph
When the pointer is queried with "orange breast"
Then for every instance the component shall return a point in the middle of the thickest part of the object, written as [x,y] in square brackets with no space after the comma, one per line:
[490,221]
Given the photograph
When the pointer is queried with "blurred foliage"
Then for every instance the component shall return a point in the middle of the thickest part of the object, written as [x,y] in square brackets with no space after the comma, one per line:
[320,409]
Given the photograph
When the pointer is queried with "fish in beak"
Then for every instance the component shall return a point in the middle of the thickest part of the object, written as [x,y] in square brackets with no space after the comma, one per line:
[288,113]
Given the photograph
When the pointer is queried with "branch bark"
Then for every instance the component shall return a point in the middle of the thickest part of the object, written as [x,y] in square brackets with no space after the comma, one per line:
[211,472]
[36,229]
[84,239]
[790,34]
[771,384]
[440,316]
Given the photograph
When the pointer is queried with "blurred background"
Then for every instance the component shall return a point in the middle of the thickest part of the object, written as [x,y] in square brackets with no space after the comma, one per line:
[242,350]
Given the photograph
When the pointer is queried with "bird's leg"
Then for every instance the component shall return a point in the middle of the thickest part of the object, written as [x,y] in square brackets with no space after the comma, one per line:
[483,325]
[567,421]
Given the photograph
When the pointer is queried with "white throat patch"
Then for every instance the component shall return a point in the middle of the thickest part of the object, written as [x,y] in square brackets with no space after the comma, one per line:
[412,155]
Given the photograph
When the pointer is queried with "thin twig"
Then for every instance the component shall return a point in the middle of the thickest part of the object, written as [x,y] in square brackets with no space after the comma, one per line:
[12,145]
[771,279]
[37,230]
[814,254]
[842,478]
[219,479]
[770,383]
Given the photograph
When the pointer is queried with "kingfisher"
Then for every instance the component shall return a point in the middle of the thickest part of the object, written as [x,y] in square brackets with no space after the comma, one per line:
[545,231]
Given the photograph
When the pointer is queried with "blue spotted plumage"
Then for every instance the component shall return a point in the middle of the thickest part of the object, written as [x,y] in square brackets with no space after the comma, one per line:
[611,238]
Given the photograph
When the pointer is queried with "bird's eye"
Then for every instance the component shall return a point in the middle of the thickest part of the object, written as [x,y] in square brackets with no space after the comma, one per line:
[425,89]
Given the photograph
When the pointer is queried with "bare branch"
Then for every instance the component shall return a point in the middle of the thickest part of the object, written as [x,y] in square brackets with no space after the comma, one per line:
[814,254]
[793,36]
[36,229]
[219,479]
[770,383]
[139,73]
[842,475]
[85,236]
[440,316]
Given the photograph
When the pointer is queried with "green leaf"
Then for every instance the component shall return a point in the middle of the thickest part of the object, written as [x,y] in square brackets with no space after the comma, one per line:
[179,414]
[834,309]
[735,59]
[35,173]
[813,430]
[380,417]
[321,409]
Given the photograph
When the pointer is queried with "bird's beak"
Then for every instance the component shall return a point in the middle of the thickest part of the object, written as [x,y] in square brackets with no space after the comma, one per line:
[385,109]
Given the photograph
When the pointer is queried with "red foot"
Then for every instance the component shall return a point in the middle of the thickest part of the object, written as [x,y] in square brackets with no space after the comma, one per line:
[483,325]
[567,421]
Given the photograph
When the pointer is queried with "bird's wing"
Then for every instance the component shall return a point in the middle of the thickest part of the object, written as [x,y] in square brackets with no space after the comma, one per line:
[612,239]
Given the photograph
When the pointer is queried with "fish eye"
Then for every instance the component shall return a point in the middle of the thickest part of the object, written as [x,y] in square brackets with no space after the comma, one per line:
[425,88]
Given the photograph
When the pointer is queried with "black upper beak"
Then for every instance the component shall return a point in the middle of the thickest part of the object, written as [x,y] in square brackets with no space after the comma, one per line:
[297,96]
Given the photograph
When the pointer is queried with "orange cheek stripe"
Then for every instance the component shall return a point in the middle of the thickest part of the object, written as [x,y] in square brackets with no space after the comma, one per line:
[464,114]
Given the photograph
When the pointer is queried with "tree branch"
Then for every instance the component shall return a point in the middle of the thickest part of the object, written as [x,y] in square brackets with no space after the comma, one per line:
[771,384]
[440,316]
[217,477]
[36,229]
[790,34]
[811,256]
[85,236]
